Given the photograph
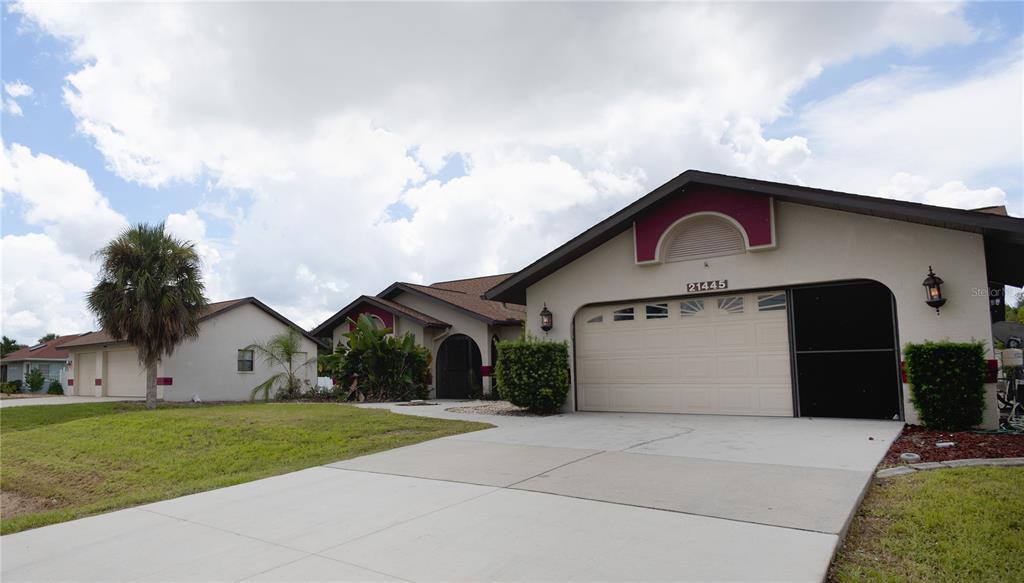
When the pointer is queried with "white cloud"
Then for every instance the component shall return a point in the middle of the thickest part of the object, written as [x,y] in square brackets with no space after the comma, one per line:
[43,288]
[14,91]
[912,122]
[61,198]
[954,194]
[17,89]
[325,115]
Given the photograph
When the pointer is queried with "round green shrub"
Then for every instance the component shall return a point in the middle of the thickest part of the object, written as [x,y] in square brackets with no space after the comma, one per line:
[35,380]
[947,383]
[55,388]
[533,374]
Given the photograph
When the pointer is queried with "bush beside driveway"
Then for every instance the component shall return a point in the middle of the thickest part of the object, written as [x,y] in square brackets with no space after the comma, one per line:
[61,463]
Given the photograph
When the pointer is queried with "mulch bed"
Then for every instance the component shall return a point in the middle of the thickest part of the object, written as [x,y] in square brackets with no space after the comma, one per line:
[969,445]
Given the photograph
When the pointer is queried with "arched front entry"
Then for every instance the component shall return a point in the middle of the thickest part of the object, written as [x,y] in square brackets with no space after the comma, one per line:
[458,368]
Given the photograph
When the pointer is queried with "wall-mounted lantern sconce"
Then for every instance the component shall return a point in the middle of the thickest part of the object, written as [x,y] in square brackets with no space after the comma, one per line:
[546,319]
[933,290]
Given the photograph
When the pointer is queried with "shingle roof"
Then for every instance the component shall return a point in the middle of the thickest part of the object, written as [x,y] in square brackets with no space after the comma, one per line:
[467,295]
[394,307]
[462,294]
[52,350]
[212,309]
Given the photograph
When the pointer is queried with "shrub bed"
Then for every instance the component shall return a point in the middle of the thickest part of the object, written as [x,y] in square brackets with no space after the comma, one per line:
[534,374]
[947,383]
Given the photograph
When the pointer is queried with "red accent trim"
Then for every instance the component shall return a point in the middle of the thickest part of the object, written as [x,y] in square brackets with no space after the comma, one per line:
[993,371]
[164,381]
[71,382]
[99,382]
[486,370]
[753,212]
[903,371]
[364,308]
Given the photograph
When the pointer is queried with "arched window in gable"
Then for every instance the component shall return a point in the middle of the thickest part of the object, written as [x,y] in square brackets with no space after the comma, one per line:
[702,237]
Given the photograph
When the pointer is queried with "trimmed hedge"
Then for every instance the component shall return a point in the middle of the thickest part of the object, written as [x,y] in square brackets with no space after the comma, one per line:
[534,374]
[947,383]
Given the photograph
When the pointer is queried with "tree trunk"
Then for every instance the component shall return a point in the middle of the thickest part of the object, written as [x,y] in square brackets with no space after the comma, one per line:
[151,386]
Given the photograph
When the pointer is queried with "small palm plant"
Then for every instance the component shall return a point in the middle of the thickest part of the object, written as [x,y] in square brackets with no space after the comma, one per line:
[282,350]
[150,294]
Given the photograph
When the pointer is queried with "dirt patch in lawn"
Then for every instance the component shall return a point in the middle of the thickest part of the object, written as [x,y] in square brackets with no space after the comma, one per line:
[13,504]
[967,445]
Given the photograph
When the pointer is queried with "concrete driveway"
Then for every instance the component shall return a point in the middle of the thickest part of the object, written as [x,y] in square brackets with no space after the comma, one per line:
[587,496]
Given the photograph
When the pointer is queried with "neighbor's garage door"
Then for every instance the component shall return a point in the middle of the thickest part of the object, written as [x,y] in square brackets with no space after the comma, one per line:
[724,354]
[125,378]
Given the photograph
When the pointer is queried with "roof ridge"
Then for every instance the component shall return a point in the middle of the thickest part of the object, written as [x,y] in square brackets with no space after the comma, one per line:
[431,286]
[511,273]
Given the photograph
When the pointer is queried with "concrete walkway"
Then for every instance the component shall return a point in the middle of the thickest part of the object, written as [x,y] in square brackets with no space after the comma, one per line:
[599,497]
[61,400]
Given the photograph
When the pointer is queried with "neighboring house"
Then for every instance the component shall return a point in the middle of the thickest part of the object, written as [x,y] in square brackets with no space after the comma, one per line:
[451,319]
[49,358]
[215,366]
[715,294]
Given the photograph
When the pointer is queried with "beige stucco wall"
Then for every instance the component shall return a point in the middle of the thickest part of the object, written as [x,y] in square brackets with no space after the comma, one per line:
[461,323]
[206,366]
[814,245]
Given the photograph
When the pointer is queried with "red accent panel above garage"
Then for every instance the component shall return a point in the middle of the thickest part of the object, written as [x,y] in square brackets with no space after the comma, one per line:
[751,212]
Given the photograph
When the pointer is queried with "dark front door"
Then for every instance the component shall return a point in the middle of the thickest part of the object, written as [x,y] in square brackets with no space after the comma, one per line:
[844,339]
[458,368]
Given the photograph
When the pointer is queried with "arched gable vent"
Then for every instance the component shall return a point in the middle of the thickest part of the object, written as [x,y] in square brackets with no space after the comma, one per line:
[702,237]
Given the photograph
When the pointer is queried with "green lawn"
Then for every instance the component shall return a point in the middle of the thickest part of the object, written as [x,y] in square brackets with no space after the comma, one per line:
[62,462]
[964,524]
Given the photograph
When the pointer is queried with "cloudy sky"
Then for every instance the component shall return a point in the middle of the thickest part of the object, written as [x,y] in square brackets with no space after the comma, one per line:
[315,152]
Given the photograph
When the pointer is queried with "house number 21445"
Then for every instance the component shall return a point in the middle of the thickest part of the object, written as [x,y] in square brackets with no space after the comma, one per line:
[699,286]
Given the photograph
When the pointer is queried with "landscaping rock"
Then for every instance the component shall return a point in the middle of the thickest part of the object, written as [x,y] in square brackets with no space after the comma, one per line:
[910,457]
[890,472]
[944,444]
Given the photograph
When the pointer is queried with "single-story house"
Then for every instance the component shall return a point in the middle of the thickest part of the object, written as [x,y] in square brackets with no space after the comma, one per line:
[50,358]
[215,366]
[450,318]
[716,294]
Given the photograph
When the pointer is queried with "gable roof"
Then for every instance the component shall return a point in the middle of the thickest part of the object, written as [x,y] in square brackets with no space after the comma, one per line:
[384,304]
[1004,236]
[50,350]
[466,296]
[212,310]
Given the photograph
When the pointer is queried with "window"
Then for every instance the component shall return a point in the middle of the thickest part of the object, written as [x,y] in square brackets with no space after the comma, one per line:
[656,311]
[596,319]
[703,237]
[691,307]
[731,304]
[378,323]
[771,302]
[245,361]
[622,315]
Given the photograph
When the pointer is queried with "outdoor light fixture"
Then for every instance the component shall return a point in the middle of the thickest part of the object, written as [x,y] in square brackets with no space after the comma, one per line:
[933,290]
[546,319]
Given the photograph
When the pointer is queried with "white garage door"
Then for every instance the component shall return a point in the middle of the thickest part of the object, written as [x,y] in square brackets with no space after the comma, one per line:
[125,378]
[725,354]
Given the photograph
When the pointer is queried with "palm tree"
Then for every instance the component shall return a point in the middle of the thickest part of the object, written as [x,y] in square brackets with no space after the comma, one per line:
[282,350]
[149,293]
